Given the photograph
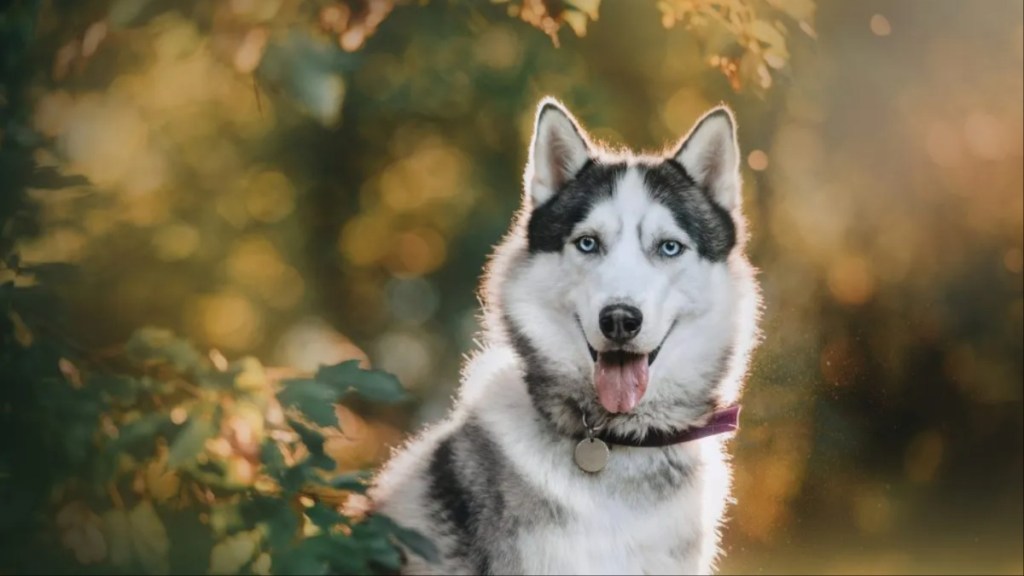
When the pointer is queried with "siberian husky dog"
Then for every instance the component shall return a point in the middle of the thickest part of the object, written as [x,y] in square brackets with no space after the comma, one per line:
[619,313]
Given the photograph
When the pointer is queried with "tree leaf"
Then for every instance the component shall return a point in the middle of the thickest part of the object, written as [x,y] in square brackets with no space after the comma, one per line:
[272,459]
[344,555]
[353,481]
[117,529]
[324,516]
[190,441]
[261,565]
[276,514]
[234,552]
[149,538]
[225,518]
[415,541]
[313,398]
[140,431]
[124,389]
[298,560]
[158,344]
[374,385]
[161,483]
[296,477]
[283,525]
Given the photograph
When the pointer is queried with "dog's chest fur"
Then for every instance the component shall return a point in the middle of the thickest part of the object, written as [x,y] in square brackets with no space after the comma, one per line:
[499,492]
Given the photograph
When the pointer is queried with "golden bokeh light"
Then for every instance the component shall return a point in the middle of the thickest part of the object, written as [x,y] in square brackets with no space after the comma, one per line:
[880,25]
[943,144]
[365,239]
[417,252]
[851,280]
[873,510]
[175,241]
[984,136]
[682,108]
[924,456]
[757,160]
[269,197]
[228,320]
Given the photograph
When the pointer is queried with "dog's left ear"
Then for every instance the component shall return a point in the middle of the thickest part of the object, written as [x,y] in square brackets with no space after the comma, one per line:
[711,156]
[559,150]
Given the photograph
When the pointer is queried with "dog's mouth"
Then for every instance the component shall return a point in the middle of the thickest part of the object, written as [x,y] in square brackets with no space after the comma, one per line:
[594,354]
[621,376]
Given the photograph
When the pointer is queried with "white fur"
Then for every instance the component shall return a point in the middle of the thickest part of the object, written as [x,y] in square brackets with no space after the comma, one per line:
[558,149]
[711,154]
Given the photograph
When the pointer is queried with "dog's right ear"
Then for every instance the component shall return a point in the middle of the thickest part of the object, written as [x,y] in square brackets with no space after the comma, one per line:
[558,150]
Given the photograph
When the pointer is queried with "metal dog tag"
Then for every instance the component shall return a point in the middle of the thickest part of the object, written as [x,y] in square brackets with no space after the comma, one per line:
[591,455]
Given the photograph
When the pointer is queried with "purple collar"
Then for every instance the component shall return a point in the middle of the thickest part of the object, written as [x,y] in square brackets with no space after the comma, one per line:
[724,420]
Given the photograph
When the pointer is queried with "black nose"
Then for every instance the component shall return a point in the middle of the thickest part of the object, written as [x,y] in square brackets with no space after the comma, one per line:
[620,323]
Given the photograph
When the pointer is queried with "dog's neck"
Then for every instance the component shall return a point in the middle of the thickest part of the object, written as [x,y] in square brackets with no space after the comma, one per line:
[720,421]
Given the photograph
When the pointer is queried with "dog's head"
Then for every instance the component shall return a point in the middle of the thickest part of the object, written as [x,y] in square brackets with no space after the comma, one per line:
[623,283]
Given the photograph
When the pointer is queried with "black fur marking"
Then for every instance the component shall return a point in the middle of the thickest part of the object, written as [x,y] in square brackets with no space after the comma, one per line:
[483,501]
[455,504]
[551,223]
[710,225]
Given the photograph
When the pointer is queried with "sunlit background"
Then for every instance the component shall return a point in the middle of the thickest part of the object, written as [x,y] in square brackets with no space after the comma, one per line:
[309,182]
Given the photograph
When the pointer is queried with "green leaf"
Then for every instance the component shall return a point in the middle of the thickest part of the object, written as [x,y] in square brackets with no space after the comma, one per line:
[272,459]
[117,530]
[149,538]
[298,560]
[124,389]
[281,520]
[353,481]
[412,539]
[324,516]
[373,385]
[314,442]
[140,431]
[225,518]
[149,344]
[383,553]
[137,535]
[190,441]
[234,552]
[314,399]
[296,477]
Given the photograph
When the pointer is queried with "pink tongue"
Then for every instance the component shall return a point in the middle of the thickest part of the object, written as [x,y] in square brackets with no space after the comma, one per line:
[621,381]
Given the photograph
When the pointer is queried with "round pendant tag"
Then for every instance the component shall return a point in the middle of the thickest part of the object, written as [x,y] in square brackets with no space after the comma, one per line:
[591,455]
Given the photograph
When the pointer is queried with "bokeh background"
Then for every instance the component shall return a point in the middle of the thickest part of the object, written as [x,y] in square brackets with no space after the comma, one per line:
[313,181]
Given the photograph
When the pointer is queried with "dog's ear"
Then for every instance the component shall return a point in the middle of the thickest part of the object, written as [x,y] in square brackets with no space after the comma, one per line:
[711,156]
[557,152]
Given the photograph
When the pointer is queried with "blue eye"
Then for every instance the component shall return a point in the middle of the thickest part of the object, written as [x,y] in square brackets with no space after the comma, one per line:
[670,248]
[587,244]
